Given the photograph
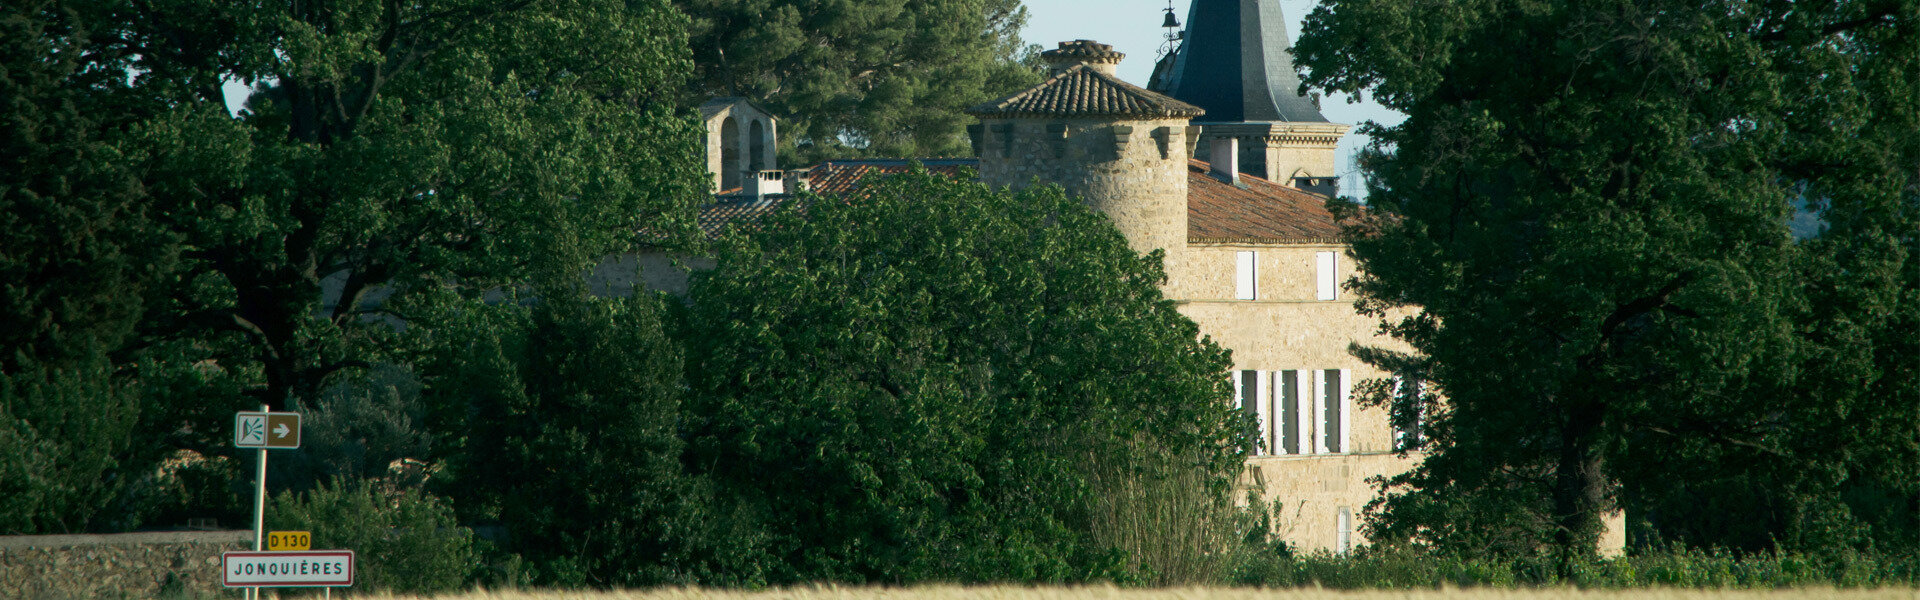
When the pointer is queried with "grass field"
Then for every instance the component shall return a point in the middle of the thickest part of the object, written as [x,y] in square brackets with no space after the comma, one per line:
[1111,593]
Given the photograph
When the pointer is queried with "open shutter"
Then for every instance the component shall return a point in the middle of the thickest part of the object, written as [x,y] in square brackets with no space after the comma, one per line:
[1326,271]
[1246,275]
[1317,401]
[1346,410]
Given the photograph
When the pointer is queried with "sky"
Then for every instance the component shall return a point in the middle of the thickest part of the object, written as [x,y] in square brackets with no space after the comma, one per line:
[1133,27]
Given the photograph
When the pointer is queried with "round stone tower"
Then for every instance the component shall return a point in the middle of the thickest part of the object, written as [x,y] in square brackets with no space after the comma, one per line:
[1120,148]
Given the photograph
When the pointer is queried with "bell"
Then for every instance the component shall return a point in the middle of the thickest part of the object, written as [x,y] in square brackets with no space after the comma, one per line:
[1170,22]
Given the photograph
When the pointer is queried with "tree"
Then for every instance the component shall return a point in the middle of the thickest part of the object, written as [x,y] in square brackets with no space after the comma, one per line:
[562,420]
[917,383]
[79,256]
[393,155]
[1587,204]
[886,78]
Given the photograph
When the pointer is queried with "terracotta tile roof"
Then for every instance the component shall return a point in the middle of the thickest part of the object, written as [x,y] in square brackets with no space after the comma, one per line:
[741,212]
[1082,91]
[1263,212]
[842,176]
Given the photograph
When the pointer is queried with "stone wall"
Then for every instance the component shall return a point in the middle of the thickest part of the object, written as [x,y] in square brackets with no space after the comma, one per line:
[114,566]
[1135,171]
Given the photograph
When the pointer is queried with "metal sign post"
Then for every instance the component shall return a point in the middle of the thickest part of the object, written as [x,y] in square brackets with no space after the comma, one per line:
[263,430]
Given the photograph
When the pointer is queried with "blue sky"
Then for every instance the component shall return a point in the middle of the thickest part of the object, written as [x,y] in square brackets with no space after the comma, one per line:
[1133,27]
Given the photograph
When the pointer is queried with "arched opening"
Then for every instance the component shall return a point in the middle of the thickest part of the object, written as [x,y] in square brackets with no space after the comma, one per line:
[730,165]
[757,155]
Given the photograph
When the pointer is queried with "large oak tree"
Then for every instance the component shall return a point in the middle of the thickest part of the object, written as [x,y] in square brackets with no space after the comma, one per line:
[1587,203]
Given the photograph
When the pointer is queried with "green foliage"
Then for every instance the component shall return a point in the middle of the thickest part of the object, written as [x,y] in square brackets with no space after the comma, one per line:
[873,78]
[397,156]
[404,540]
[358,429]
[1586,212]
[61,430]
[563,418]
[78,255]
[910,385]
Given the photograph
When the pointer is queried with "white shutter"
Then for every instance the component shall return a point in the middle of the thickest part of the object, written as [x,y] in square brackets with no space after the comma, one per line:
[1280,421]
[1246,275]
[1327,272]
[1343,542]
[1316,402]
[1346,410]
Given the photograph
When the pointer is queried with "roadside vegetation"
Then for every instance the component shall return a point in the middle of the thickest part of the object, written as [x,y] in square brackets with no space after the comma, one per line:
[1587,216]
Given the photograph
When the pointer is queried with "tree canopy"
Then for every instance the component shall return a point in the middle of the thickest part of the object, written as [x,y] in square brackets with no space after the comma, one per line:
[915,384]
[873,78]
[1587,203]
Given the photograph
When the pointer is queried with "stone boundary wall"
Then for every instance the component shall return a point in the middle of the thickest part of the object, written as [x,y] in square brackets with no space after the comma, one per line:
[115,566]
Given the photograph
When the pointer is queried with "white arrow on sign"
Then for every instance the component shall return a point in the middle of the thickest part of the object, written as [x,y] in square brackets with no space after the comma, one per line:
[281,431]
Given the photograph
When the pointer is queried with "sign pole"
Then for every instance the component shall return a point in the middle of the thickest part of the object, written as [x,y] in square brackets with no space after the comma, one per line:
[259,507]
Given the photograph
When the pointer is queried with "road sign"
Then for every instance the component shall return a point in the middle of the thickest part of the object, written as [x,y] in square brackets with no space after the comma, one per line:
[318,568]
[284,541]
[266,430]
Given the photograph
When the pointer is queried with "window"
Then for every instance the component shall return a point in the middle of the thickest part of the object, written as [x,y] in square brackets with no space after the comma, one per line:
[1290,413]
[1246,275]
[1248,386]
[1409,412]
[1335,421]
[1327,272]
[1343,524]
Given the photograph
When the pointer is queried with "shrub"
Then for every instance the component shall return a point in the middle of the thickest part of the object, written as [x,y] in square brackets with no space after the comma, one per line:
[404,540]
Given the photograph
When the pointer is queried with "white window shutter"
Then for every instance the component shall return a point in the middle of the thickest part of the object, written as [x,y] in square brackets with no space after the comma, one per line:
[1346,410]
[1317,402]
[1326,270]
[1280,421]
[1246,275]
[1303,407]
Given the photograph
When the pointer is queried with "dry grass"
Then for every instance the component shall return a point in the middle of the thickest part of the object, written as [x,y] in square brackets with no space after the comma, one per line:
[1111,593]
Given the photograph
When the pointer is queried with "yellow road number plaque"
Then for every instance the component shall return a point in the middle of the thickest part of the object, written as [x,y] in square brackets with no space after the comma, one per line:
[282,541]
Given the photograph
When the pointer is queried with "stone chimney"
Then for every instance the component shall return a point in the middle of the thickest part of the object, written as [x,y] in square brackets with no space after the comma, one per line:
[1225,159]
[767,183]
[1100,57]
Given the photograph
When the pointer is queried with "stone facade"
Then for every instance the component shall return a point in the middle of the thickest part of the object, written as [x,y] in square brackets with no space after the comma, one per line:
[740,141]
[1135,171]
[115,566]
[1281,152]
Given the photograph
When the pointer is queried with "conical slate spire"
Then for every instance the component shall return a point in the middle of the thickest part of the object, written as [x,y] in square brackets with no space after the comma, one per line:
[1234,64]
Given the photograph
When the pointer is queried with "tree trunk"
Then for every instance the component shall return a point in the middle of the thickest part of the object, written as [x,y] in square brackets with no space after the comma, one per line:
[1580,486]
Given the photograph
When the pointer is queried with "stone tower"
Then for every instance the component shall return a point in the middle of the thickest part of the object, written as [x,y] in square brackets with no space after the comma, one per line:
[1119,147]
[1233,62]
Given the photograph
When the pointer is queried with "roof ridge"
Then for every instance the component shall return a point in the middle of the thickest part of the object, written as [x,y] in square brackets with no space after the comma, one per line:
[1078,85]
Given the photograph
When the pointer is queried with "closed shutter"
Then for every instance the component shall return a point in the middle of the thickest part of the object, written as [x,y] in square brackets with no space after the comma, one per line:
[1246,275]
[1327,273]
[1343,524]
